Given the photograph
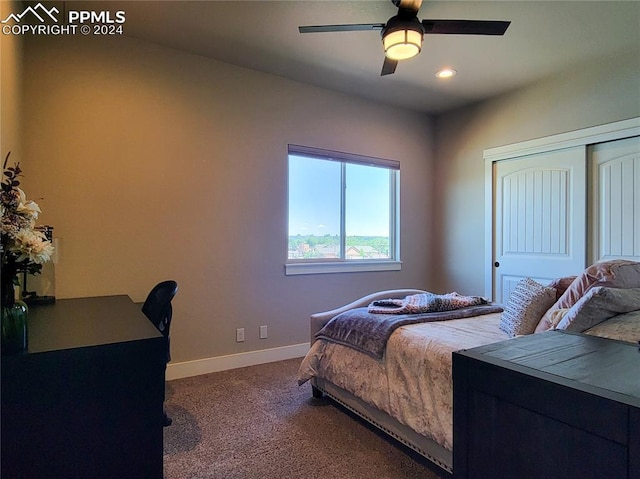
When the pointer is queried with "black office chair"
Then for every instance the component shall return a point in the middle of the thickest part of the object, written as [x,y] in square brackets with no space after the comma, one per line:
[157,307]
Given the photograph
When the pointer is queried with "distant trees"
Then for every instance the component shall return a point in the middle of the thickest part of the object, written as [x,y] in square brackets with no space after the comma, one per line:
[378,243]
[312,246]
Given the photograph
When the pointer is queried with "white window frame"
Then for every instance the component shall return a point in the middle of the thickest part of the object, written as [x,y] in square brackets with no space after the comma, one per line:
[340,265]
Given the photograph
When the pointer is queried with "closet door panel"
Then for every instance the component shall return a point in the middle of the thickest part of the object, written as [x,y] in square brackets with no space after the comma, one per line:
[540,218]
[616,200]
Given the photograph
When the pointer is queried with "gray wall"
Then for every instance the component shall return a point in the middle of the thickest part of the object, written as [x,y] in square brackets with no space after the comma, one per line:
[10,90]
[157,164]
[592,95]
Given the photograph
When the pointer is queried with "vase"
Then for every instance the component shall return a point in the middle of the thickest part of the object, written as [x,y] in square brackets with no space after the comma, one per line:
[13,323]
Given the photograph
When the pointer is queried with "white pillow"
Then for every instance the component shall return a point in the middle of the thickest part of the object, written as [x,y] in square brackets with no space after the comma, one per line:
[527,303]
[598,305]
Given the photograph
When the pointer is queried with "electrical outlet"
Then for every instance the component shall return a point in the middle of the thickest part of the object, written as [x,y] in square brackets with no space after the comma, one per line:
[239,335]
[263,332]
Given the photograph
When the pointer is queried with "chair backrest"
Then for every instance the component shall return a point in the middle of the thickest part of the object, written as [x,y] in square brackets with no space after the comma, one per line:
[157,307]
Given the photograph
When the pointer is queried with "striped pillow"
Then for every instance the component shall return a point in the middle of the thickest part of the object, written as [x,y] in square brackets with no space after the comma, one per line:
[527,303]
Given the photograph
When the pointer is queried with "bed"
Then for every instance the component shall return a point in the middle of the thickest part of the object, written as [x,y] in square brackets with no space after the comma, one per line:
[407,392]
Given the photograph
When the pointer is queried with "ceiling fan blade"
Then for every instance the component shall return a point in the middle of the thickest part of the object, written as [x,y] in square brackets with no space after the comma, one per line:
[352,27]
[389,66]
[466,27]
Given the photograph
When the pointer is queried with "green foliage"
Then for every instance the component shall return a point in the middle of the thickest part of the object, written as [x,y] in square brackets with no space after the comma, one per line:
[308,244]
[378,243]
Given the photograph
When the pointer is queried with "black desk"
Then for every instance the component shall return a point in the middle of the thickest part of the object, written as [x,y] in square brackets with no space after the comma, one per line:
[85,400]
[550,405]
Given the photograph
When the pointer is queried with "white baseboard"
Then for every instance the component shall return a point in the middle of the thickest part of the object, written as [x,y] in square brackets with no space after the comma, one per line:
[186,369]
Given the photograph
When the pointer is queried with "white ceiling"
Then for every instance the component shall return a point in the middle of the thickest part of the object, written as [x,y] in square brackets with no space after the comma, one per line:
[545,37]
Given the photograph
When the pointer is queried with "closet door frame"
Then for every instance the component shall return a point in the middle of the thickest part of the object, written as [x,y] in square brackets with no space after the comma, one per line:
[584,137]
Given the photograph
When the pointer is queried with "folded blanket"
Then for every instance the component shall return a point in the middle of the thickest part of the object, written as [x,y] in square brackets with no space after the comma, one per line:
[369,333]
[425,303]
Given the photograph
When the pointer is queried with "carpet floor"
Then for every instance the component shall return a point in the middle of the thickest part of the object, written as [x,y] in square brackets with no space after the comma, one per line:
[256,422]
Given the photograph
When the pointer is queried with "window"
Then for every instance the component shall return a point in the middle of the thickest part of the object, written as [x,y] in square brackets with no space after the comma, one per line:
[343,212]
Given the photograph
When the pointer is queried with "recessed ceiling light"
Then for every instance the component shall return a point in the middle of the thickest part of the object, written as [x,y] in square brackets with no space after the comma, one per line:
[446,73]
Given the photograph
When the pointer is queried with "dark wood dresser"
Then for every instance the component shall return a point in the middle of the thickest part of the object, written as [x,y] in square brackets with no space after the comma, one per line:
[545,406]
[85,400]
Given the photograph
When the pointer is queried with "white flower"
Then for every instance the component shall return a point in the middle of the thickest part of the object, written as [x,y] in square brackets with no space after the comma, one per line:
[23,246]
[32,245]
[27,208]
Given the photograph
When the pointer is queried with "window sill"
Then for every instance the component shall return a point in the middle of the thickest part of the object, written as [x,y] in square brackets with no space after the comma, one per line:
[291,269]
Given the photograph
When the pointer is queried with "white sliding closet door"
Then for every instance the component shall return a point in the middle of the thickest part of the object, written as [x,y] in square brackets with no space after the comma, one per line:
[546,219]
[539,218]
[615,204]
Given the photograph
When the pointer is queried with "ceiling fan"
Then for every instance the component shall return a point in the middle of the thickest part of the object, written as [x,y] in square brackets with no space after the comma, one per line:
[402,34]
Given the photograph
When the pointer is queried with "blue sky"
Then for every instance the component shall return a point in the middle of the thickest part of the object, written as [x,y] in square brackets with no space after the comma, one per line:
[314,198]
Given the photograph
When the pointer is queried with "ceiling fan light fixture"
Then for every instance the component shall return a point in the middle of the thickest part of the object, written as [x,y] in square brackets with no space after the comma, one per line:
[402,44]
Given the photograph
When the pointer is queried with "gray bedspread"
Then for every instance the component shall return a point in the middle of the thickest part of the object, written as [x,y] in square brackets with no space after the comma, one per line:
[369,333]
